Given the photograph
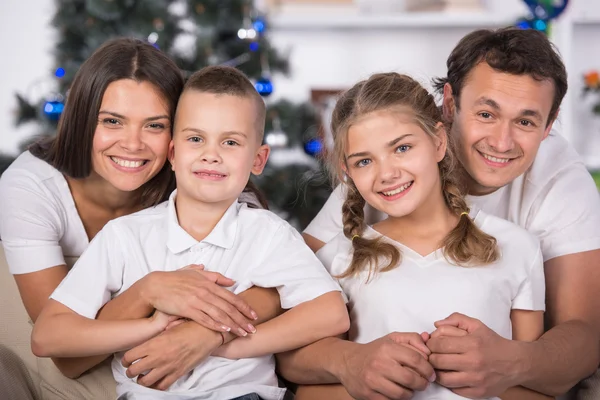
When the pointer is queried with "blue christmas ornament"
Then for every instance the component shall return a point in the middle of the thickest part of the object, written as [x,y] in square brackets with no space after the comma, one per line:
[53,110]
[533,23]
[313,147]
[546,9]
[254,46]
[264,86]
[60,72]
[259,25]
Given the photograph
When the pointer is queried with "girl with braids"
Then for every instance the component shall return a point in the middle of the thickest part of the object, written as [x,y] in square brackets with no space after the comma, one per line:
[432,255]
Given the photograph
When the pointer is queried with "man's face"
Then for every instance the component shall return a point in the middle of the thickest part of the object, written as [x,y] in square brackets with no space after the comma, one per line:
[498,125]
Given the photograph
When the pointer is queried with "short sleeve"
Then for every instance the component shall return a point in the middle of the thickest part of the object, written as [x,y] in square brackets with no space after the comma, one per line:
[531,294]
[31,224]
[336,255]
[566,215]
[290,266]
[328,222]
[95,276]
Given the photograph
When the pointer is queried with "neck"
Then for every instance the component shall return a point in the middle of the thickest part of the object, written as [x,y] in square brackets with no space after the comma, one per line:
[432,220]
[197,218]
[471,186]
[94,189]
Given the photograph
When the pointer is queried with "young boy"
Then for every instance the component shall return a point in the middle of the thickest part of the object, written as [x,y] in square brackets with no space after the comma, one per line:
[216,145]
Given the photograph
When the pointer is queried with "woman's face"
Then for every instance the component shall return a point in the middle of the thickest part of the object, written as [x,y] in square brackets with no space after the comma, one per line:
[132,136]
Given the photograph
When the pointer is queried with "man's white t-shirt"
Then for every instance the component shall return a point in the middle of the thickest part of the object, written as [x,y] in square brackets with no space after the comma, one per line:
[556,200]
[39,223]
[425,289]
[253,247]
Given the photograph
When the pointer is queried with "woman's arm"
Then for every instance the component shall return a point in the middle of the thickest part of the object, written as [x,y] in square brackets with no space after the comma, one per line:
[527,326]
[60,332]
[304,324]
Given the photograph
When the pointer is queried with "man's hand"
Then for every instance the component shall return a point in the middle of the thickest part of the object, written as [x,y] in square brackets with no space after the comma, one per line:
[200,296]
[391,367]
[476,362]
[170,355]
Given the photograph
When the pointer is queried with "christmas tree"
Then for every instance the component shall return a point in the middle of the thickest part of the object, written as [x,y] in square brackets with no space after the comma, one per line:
[197,33]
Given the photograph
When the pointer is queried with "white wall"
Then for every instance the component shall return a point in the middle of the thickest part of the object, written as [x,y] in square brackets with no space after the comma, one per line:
[325,58]
[26,66]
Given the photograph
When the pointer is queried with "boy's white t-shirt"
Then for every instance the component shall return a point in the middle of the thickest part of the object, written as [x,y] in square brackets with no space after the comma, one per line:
[425,289]
[253,247]
[39,223]
[556,200]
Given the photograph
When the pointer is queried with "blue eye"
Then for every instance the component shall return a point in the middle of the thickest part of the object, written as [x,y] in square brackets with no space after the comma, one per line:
[363,163]
[403,148]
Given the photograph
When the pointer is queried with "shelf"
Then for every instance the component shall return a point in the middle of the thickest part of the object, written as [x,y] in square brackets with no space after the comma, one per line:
[472,20]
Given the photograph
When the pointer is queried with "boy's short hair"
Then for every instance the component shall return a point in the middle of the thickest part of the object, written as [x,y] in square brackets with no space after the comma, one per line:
[229,81]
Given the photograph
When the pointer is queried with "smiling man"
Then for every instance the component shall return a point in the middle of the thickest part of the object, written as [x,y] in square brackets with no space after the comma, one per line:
[501,97]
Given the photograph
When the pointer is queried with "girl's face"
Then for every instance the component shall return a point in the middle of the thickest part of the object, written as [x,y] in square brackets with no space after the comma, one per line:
[132,136]
[393,162]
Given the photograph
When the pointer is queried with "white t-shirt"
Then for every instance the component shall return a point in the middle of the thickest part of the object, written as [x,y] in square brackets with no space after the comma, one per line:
[425,289]
[556,200]
[253,247]
[39,223]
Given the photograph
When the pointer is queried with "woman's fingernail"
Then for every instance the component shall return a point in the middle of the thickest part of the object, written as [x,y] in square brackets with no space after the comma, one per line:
[225,328]
[251,328]
[242,332]
[254,315]
[432,378]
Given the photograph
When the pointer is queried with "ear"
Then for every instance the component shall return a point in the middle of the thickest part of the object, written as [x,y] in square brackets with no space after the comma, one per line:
[441,141]
[550,125]
[171,154]
[448,103]
[260,159]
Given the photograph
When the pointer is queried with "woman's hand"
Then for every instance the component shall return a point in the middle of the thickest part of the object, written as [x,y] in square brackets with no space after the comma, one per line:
[200,295]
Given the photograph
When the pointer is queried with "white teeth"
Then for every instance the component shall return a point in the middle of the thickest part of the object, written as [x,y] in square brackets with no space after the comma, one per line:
[127,163]
[400,189]
[495,159]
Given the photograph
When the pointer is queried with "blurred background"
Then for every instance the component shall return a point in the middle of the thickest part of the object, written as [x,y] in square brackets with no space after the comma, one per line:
[300,55]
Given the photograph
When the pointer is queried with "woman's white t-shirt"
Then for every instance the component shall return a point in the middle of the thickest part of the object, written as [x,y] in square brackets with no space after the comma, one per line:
[425,289]
[39,223]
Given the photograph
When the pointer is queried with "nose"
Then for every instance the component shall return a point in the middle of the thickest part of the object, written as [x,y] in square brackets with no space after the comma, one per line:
[502,140]
[132,141]
[388,171]
[210,154]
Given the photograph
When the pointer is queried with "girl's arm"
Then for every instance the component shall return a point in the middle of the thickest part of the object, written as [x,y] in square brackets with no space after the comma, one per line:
[60,332]
[304,324]
[527,326]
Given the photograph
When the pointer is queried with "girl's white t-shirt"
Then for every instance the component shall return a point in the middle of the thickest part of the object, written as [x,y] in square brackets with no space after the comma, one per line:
[425,289]
[39,223]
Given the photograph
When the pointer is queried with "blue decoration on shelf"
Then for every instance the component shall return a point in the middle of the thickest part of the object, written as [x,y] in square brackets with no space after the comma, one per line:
[259,25]
[313,147]
[60,72]
[264,86]
[53,110]
[254,46]
[546,10]
[533,23]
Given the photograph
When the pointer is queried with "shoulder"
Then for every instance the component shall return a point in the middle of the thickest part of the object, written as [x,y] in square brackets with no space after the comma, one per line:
[336,255]
[511,238]
[29,170]
[140,221]
[556,160]
[260,221]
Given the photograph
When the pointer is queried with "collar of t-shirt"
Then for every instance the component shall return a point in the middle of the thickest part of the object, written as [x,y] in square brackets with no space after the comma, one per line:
[222,235]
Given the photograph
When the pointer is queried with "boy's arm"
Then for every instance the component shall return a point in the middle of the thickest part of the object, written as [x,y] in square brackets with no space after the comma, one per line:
[60,332]
[304,324]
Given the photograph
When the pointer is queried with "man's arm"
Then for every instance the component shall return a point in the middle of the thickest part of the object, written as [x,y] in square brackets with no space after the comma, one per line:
[570,350]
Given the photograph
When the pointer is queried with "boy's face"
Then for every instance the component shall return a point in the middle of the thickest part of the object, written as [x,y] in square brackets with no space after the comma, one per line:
[215,146]
[499,126]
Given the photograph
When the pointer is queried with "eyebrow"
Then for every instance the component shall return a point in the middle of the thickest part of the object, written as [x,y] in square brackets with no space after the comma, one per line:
[392,143]
[227,133]
[117,115]
[524,113]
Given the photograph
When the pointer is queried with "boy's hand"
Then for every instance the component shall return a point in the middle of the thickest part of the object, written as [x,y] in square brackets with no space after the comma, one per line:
[164,321]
